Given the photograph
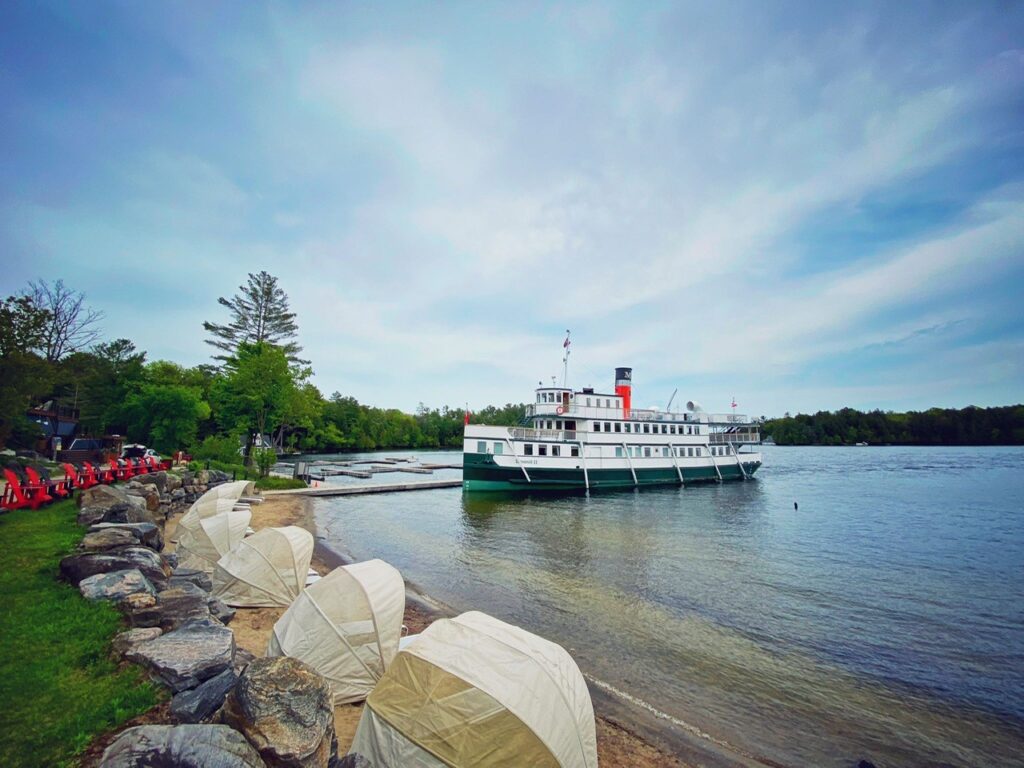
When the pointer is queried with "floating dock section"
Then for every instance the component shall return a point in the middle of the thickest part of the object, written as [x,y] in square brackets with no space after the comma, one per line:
[356,490]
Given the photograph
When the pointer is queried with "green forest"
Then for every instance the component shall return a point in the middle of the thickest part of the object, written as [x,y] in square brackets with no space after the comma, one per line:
[936,426]
[52,351]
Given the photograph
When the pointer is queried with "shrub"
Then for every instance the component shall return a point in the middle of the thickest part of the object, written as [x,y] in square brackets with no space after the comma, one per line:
[279,483]
[264,458]
[222,448]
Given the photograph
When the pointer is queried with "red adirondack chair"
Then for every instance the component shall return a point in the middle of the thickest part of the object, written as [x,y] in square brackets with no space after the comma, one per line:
[79,479]
[52,489]
[141,468]
[100,475]
[18,495]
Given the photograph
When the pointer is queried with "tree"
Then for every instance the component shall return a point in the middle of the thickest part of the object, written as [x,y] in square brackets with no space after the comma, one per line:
[71,325]
[165,416]
[23,373]
[255,392]
[259,315]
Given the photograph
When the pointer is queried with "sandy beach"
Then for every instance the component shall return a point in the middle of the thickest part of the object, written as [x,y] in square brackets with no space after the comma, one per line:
[617,745]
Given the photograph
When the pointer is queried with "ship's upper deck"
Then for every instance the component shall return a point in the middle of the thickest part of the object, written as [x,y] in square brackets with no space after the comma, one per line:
[566,403]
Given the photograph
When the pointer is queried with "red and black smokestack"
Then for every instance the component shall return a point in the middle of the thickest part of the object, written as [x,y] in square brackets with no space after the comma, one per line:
[624,388]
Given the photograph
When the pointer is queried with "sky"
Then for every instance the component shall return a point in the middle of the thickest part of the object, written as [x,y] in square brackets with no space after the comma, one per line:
[800,205]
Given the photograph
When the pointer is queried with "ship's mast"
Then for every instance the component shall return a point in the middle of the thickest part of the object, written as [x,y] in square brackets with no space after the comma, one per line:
[565,359]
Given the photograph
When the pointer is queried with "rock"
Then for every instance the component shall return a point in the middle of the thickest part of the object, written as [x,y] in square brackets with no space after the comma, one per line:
[351,760]
[107,539]
[102,496]
[184,658]
[220,611]
[173,483]
[138,607]
[147,534]
[193,576]
[181,746]
[177,495]
[172,560]
[242,660]
[74,568]
[865,764]
[201,702]
[129,513]
[203,476]
[285,710]
[115,585]
[125,641]
[159,479]
[181,604]
[149,493]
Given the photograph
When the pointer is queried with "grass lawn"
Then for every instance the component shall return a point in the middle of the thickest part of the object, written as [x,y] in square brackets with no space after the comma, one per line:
[58,685]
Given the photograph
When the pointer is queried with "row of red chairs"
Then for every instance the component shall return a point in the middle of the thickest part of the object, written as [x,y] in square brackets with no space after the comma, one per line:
[36,488]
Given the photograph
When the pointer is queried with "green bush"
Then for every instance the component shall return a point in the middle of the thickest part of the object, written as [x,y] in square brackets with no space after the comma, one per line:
[264,458]
[237,469]
[194,466]
[279,483]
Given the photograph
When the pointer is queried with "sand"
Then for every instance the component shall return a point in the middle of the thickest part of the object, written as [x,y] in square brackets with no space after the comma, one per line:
[616,744]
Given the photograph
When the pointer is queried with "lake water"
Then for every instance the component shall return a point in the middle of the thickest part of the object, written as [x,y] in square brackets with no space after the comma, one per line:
[882,619]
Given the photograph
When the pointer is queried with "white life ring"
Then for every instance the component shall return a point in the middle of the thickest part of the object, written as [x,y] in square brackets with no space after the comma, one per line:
[560,410]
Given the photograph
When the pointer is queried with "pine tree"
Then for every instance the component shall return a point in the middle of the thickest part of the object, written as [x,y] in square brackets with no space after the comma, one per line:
[259,314]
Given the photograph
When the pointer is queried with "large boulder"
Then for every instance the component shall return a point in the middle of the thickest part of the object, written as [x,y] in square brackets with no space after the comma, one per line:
[115,585]
[74,568]
[125,641]
[173,483]
[192,576]
[285,710]
[109,538]
[130,512]
[94,502]
[146,534]
[103,496]
[159,479]
[184,658]
[149,493]
[180,746]
[204,700]
[176,605]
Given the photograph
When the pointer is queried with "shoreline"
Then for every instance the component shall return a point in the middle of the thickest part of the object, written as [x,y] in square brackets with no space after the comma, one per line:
[626,735]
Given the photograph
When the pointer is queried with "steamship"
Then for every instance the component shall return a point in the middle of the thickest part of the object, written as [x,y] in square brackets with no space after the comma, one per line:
[587,440]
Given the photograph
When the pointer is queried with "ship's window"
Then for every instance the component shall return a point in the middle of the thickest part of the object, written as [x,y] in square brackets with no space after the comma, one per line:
[689,451]
[647,451]
[551,425]
[618,451]
[664,429]
[696,430]
[498,449]
[528,449]
[607,403]
[481,446]
[555,450]
[597,426]
[647,429]
[618,426]
[664,451]
[574,451]
[558,424]
[588,401]
[672,429]
[607,426]
[689,430]
[542,450]
[626,427]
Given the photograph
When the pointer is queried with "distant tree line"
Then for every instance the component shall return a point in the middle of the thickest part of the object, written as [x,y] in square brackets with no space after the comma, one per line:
[937,426]
[50,352]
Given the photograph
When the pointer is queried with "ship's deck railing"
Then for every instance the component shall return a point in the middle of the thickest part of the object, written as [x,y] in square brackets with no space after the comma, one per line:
[523,433]
[575,410]
[736,437]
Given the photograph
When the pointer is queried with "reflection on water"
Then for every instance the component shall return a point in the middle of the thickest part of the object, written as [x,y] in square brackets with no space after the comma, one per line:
[884,618]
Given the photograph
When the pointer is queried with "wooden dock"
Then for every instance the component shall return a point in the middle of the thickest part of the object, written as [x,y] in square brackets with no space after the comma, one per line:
[357,490]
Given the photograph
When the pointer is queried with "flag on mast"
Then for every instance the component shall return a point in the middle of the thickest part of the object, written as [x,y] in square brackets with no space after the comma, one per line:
[734,402]
[566,343]
[466,419]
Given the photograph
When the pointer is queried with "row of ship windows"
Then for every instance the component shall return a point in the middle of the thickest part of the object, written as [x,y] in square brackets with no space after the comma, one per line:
[666,429]
[554,397]
[634,450]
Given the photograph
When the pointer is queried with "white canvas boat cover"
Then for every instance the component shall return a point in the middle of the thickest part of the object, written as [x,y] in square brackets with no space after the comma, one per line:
[346,626]
[475,691]
[233,490]
[202,545]
[200,509]
[266,569]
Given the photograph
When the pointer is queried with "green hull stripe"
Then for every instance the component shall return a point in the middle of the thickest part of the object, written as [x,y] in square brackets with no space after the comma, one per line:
[480,473]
